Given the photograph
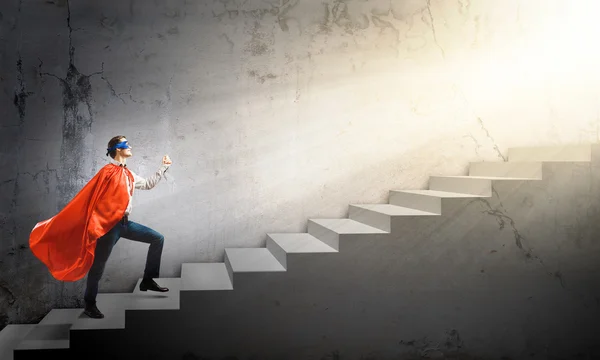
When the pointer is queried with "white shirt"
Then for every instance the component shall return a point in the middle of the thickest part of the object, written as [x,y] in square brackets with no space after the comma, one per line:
[140,182]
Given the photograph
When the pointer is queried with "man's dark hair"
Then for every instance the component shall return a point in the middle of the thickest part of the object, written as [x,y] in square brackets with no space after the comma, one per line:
[115,140]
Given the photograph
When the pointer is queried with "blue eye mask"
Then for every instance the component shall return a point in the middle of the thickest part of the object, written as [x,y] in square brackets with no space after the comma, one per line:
[121,145]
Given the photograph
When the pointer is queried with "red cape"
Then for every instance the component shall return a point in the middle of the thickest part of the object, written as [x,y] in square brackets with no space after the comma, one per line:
[66,242]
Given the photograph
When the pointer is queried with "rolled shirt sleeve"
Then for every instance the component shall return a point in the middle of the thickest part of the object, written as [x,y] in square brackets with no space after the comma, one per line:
[151,181]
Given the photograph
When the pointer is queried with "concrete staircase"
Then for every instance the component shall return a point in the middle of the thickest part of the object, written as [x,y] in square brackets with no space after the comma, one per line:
[61,328]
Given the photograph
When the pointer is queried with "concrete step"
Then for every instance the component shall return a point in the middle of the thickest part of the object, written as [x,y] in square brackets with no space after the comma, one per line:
[152,300]
[426,200]
[113,306]
[380,215]
[529,169]
[556,153]
[61,316]
[54,336]
[174,285]
[10,337]
[205,276]
[295,243]
[249,260]
[474,185]
[52,332]
[329,230]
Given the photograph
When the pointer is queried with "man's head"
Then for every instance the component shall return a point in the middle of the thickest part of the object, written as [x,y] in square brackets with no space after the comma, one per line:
[118,146]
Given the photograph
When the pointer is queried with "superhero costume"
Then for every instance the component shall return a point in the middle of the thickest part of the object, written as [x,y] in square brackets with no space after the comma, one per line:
[65,243]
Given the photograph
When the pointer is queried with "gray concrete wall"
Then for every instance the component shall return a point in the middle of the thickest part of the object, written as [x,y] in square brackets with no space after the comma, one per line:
[273,113]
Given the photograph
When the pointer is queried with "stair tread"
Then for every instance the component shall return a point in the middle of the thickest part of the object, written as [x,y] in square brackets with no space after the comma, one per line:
[300,243]
[152,300]
[552,153]
[43,344]
[348,226]
[113,306]
[441,194]
[174,285]
[61,316]
[10,337]
[205,276]
[482,177]
[553,147]
[509,163]
[394,210]
[252,260]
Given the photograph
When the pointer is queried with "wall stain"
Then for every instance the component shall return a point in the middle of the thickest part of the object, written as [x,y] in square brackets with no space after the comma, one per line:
[258,45]
[229,41]
[282,16]
[77,91]
[114,25]
[452,346]
[20,99]
[383,24]
[341,17]
[261,78]
[7,300]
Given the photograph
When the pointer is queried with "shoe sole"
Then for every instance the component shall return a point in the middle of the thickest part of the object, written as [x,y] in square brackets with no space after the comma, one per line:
[93,317]
[146,289]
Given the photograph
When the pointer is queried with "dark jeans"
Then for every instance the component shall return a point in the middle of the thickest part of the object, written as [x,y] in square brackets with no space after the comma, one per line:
[128,230]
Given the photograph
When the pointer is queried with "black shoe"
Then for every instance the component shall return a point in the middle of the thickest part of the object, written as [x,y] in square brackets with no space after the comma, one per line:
[149,284]
[92,311]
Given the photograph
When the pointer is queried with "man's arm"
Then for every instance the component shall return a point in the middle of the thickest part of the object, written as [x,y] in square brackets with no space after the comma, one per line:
[150,182]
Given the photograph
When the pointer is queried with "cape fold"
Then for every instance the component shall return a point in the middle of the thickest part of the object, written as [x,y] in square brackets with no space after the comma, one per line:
[66,242]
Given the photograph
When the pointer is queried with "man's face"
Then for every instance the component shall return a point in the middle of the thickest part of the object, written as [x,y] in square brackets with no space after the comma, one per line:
[125,152]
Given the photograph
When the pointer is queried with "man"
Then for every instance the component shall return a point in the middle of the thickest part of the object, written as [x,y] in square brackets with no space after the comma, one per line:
[80,238]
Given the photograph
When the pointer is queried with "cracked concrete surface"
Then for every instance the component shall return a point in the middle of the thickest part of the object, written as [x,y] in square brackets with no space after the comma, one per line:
[344,100]
[20,100]
[433,29]
[487,133]
[77,125]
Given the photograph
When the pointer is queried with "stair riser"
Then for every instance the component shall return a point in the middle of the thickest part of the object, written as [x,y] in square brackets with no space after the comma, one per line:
[416,201]
[324,234]
[245,283]
[461,185]
[40,354]
[80,339]
[507,169]
[405,225]
[10,337]
[229,268]
[553,154]
[277,251]
[369,217]
[306,262]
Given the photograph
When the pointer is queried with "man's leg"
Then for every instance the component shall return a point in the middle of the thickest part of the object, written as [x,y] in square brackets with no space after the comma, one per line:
[138,232]
[104,246]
